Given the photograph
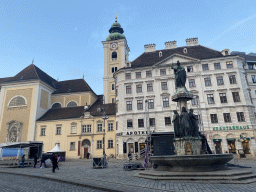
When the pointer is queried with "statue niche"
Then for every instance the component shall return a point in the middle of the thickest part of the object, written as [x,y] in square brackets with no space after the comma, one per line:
[13,131]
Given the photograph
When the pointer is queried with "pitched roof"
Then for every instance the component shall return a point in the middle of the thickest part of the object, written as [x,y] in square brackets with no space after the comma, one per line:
[198,52]
[76,112]
[31,72]
[70,86]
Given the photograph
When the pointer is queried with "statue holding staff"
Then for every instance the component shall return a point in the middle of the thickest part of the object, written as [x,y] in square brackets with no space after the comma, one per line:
[180,75]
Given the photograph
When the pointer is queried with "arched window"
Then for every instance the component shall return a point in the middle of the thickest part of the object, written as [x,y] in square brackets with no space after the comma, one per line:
[16,101]
[72,104]
[56,105]
[114,55]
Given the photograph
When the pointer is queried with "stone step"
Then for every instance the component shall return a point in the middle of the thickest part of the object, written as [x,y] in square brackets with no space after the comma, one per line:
[229,173]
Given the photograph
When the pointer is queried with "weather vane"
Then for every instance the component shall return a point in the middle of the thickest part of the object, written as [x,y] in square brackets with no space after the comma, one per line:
[33,61]
[116,17]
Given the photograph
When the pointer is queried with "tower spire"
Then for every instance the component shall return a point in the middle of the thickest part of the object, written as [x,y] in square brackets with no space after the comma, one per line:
[116,17]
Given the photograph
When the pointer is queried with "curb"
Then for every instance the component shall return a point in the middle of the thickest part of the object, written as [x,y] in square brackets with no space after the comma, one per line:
[65,181]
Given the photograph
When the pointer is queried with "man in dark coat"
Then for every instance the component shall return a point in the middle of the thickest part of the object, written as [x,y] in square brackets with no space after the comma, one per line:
[35,161]
[43,161]
[54,162]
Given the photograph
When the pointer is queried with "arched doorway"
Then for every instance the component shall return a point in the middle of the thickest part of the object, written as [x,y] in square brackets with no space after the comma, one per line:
[217,144]
[86,144]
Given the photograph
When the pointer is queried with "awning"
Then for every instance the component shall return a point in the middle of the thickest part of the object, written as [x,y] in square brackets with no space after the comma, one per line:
[22,144]
[231,139]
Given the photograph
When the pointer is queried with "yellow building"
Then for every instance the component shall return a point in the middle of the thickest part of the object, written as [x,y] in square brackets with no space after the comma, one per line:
[36,107]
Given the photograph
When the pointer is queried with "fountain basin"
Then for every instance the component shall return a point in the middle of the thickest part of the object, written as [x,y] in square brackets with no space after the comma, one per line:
[191,163]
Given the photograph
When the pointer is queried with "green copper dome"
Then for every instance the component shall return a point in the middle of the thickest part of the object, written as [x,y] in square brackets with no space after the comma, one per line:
[116,32]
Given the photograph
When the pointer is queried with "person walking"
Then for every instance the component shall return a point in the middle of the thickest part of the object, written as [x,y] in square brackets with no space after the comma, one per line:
[23,161]
[35,161]
[88,154]
[43,161]
[54,162]
[58,159]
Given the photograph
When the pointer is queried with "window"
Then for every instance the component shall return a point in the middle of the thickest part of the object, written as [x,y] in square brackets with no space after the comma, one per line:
[16,101]
[72,146]
[148,73]
[86,128]
[190,69]
[210,99]
[113,86]
[253,79]
[99,127]
[43,131]
[139,104]
[217,66]
[205,67]
[214,118]
[232,79]
[164,85]
[229,64]
[140,122]
[128,105]
[251,66]
[127,75]
[99,144]
[151,104]
[220,80]
[227,117]
[138,75]
[114,56]
[167,121]
[73,128]
[195,100]
[240,116]
[129,123]
[165,102]
[139,88]
[56,105]
[113,100]
[207,81]
[192,83]
[58,130]
[110,144]
[223,98]
[236,96]
[110,126]
[162,72]
[152,122]
[149,87]
[113,69]
[128,89]
[72,104]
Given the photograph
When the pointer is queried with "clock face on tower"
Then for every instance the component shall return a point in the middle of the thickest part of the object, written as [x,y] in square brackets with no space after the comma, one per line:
[113,46]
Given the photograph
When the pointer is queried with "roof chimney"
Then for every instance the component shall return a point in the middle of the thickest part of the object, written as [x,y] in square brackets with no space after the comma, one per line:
[150,47]
[192,41]
[170,44]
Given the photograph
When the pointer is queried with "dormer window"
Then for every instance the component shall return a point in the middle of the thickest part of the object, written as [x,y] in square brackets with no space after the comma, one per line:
[185,50]
[114,56]
[160,54]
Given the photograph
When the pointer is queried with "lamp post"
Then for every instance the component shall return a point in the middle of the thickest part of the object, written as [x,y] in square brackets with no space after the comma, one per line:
[104,117]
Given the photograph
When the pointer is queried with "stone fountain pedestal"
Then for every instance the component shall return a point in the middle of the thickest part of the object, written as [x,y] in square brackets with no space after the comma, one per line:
[187,145]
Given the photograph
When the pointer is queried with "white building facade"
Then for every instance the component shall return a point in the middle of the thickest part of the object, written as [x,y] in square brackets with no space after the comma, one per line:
[216,79]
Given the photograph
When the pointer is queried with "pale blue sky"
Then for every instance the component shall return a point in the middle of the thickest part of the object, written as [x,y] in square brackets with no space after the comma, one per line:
[64,37]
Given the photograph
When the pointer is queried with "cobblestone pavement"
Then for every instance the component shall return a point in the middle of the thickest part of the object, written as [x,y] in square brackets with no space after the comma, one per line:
[10,182]
[114,178]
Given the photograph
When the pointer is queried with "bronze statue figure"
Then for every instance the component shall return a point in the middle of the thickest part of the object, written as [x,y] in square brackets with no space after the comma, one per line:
[185,122]
[194,121]
[180,75]
[176,123]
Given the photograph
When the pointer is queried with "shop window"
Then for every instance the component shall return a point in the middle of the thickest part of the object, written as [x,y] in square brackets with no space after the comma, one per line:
[223,98]
[246,147]
[214,118]
[231,145]
[217,145]
[167,121]
[140,123]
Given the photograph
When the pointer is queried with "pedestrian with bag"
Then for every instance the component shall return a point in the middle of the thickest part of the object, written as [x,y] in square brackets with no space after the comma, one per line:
[43,161]
[54,162]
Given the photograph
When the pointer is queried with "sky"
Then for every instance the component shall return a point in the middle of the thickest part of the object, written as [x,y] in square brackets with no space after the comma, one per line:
[65,37]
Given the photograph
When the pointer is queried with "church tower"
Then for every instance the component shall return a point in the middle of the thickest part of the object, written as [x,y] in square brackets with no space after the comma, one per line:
[116,52]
